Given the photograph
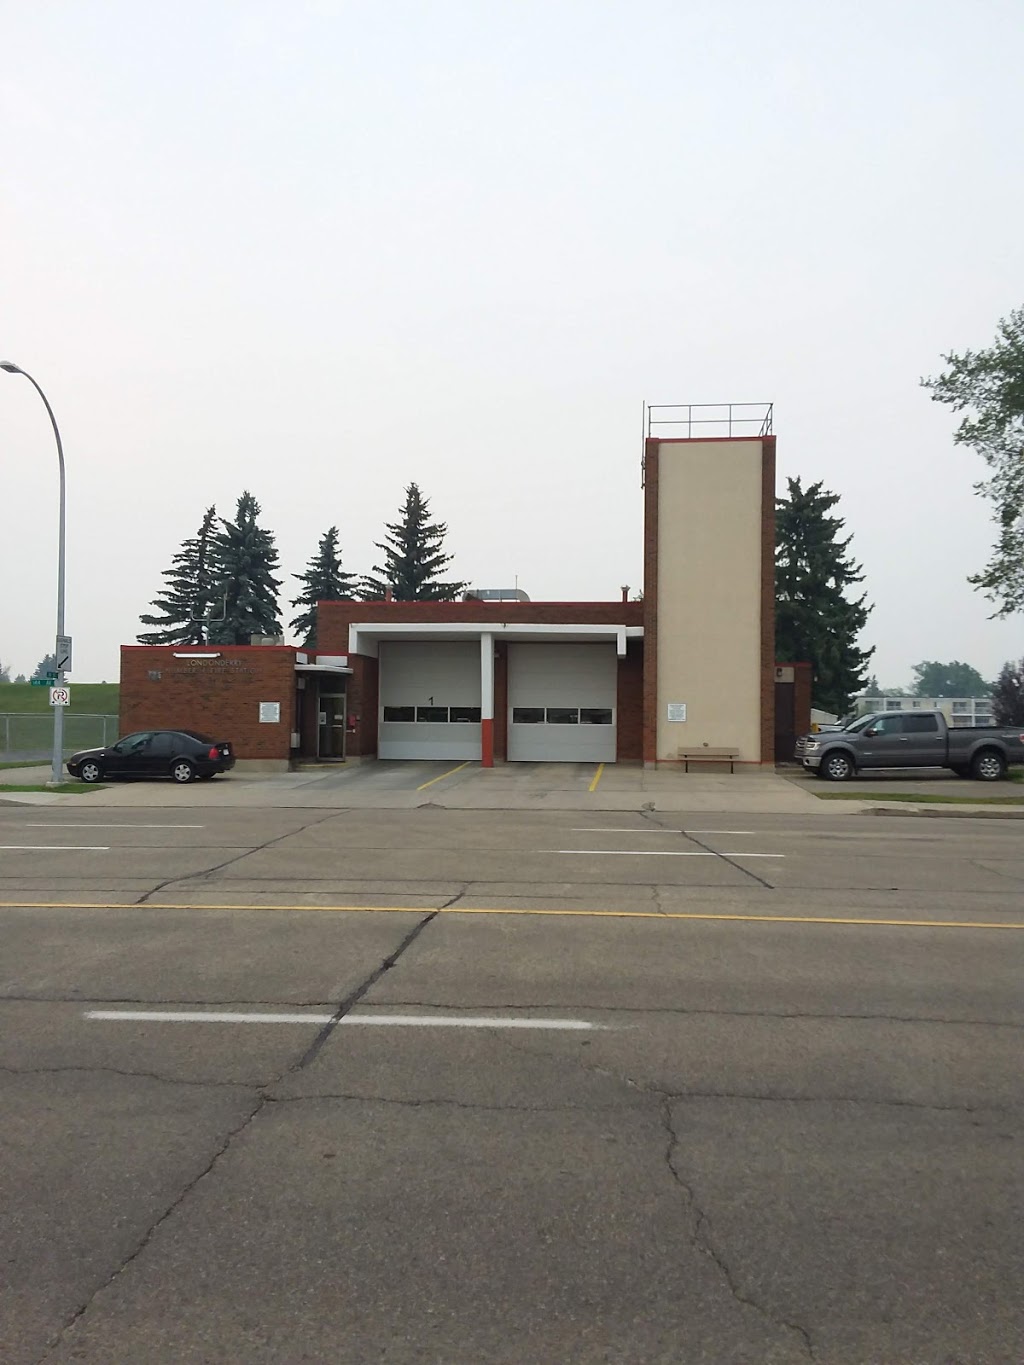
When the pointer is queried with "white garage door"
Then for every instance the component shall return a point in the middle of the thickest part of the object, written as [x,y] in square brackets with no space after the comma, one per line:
[429,700]
[561,703]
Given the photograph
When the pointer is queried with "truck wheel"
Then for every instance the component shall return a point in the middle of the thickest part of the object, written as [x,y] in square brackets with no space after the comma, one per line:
[988,766]
[837,767]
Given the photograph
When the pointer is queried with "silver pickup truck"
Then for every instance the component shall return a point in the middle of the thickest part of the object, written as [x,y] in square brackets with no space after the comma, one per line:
[911,739]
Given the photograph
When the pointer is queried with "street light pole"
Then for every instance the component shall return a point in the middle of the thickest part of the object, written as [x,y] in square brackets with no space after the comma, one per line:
[57,767]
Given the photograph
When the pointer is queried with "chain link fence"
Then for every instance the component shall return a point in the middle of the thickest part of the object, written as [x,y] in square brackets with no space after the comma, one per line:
[31,736]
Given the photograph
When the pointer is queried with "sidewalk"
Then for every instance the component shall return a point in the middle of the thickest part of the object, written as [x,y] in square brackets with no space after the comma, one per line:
[555,786]
[527,786]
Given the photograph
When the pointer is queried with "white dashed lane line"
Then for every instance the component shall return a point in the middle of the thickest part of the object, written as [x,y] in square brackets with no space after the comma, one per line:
[67,824]
[58,848]
[373,1020]
[654,853]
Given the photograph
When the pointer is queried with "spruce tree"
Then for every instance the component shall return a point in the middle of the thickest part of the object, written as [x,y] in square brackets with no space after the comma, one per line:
[246,559]
[1008,694]
[413,556]
[185,600]
[46,665]
[814,619]
[323,581]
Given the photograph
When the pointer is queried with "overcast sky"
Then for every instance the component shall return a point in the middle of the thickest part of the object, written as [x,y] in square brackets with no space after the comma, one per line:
[319,249]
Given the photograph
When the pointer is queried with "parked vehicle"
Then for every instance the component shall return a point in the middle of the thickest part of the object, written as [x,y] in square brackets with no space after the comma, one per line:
[181,755]
[911,739]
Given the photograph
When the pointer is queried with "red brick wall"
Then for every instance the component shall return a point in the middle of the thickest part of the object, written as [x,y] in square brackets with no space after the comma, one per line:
[361,704]
[630,703]
[218,696]
[768,600]
[649,606]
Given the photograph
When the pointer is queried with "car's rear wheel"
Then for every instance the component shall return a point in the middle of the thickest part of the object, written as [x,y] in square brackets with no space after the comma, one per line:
[90,771]
[837,767]
[988,766]
[182,770]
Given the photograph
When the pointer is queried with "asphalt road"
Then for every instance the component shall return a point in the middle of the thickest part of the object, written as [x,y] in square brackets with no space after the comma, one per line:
[557,1086]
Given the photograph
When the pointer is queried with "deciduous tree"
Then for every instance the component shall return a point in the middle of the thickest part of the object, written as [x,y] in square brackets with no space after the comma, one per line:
[988,388]
[955,679]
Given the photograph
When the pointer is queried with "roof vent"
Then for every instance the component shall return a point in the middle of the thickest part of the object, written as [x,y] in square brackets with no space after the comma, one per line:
[495,595]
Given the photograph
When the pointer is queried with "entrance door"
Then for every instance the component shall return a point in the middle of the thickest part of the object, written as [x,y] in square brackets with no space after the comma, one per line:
[331,734]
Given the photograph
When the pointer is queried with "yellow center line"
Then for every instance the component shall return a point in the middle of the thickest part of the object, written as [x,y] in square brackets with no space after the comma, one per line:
[597,777]
[424,785]
[516,910]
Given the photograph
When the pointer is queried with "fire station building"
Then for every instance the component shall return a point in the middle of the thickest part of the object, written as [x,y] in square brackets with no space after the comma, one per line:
[687,673]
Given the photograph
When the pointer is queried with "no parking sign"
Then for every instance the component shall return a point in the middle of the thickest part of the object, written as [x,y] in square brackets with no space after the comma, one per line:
[60,696]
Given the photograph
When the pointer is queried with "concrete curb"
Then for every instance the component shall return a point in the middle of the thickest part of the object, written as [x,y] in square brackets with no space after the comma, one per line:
[950,812]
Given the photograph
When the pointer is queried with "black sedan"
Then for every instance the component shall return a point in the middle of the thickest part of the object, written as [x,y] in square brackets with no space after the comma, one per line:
[181,755]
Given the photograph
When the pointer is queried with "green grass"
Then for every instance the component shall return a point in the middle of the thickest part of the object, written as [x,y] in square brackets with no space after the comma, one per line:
[93,699]
[65,788]
[25,763]
[922,800]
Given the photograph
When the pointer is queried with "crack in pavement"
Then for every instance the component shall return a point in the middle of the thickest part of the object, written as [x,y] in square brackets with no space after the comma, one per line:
[984,866]
[260,1101]
[204,1084]
[661,1092]
[650,814]
[701,1234]
[443,1103]
[151,1231]
[701,1238]
[353,997]
[246,852]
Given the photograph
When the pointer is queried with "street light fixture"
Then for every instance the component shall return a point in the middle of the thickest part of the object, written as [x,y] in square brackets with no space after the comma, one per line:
[57,769]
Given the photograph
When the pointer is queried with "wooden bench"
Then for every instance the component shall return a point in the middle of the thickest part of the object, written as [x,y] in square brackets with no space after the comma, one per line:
[706,754]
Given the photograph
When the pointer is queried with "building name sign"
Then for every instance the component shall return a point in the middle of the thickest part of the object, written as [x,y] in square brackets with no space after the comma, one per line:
[226,668]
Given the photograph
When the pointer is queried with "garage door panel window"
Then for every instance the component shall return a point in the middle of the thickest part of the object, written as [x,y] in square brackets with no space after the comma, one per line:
[595,715]
[563,715]
[527,715]
[464,715]
[431,715]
